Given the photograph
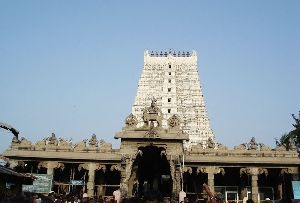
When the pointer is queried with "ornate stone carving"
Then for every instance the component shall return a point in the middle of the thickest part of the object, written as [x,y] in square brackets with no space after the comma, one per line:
[92,166]
[244,171]
[211,170]
[93,142]
[81,146]
[51,165]
[151,134]
[152,114]
[253,171]
[52,140]
[252,145]
[289,171]
[292,145]
[174,122]
[263,171]
[188,170]
[116,167]
[131,121]
[210,143]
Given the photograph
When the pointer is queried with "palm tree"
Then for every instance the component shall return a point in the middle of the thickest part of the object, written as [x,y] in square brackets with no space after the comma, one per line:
[293,137]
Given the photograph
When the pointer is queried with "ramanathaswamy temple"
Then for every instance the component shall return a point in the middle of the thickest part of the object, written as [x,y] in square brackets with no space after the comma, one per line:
[166,145]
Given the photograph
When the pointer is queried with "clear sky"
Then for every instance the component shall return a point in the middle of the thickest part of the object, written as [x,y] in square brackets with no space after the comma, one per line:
[72,67]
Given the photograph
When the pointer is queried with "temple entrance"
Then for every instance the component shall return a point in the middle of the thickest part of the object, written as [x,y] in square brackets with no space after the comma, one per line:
[153,171]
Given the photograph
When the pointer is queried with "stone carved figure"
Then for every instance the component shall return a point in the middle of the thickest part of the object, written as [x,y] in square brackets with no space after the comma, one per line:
[188,170]
[174,121]
[151,134]
[210,143]
[116,167]
[81,146]
[263,171]
[245,171]
[292,145]
[152,113]
[131,121]
[52,140]
[242,146]
[252,145]
[93,142]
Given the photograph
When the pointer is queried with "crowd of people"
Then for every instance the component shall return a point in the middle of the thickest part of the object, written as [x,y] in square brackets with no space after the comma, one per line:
[149,197]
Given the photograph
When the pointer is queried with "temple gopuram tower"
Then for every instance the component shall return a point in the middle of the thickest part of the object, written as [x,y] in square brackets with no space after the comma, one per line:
[172,79]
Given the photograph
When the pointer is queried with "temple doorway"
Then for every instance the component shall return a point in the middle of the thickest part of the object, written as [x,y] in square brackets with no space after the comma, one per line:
[153,171]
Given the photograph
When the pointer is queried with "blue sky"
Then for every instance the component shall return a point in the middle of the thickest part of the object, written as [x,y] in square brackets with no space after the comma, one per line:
[72,67]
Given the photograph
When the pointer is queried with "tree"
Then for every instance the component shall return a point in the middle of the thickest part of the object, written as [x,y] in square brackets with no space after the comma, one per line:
[293,137]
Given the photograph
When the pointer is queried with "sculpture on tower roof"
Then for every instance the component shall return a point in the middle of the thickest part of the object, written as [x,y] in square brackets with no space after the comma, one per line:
[52,140]
[252,145]
[152,114]
[93,142]
[131,121]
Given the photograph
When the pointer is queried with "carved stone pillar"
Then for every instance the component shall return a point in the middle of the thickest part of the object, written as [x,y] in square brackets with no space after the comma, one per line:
[254,172]
[254,187]
[91,167]
[211,171]
[211,181]
[91,180]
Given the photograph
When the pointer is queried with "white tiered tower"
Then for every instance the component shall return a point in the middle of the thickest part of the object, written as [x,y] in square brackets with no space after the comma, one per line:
[173,80]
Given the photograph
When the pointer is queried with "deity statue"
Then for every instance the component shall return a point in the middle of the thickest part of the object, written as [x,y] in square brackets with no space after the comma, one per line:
[52,140]
[252,145]
[210,143]
[93,141]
